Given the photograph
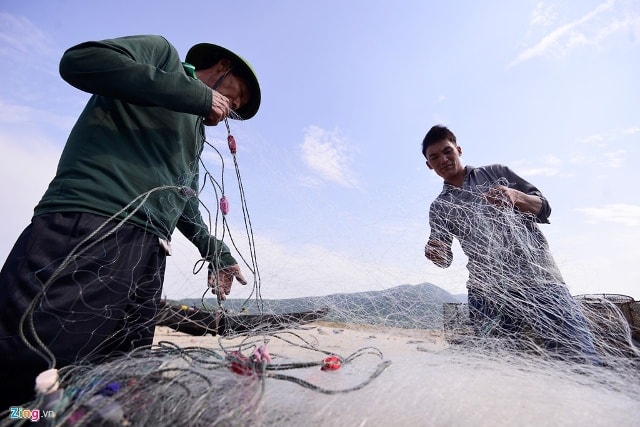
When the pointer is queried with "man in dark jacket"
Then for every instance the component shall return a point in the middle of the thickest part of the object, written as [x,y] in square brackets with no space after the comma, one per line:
[84,279]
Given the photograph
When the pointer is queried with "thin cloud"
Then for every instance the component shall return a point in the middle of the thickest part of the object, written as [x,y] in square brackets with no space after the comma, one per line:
[617,213]
[543,15]
[575,33]
[607,152]
[612,160]
[328,156]
[22,114]
[26,167]
[603,139]
[551,166]
[615,159]
[595,139]
[543,171]
[28,57]
[19,36]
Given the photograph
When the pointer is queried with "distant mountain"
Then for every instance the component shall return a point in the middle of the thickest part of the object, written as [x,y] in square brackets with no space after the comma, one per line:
[405,306]
[462,297]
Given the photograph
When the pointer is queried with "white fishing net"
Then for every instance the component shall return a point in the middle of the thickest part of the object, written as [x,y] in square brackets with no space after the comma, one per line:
[409,354]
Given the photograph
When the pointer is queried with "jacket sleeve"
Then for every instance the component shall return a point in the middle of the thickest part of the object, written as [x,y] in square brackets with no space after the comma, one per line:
[141,70]
[440,231]
[192,226]
[515,181]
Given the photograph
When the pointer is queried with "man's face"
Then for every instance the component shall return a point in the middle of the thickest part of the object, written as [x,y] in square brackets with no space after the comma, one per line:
[236,89]
[444,158]
[231,86]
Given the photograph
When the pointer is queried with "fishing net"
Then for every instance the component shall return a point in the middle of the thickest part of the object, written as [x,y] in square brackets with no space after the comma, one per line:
[408,354]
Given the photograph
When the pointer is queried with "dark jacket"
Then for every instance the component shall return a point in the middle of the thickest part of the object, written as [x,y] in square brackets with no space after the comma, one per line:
[136,146]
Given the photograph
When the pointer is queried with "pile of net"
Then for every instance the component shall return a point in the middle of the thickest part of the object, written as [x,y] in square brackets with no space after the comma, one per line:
[444,361]
[221,385]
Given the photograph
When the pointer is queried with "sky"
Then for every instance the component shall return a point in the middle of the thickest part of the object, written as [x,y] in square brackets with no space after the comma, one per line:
[337,191]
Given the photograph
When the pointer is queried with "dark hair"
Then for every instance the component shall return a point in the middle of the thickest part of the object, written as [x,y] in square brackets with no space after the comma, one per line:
[236,70]
[210,60]
[436,134]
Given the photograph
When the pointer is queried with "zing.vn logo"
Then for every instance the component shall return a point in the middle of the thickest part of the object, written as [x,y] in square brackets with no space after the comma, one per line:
[29,414]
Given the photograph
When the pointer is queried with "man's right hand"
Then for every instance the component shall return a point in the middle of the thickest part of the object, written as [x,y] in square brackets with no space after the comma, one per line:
[219,109]
[438,252]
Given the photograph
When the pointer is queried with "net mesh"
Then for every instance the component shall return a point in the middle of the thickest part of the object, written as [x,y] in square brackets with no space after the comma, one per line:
[251,353]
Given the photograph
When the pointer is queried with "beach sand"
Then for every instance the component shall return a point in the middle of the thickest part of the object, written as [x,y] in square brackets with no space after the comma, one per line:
[427,383]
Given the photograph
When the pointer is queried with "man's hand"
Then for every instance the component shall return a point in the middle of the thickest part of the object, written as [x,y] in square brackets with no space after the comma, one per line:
[220,281]
[219,109]
[501,195]
[510,197]
[438,252]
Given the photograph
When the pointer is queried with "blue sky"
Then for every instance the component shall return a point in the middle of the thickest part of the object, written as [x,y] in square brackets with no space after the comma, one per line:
[336,187]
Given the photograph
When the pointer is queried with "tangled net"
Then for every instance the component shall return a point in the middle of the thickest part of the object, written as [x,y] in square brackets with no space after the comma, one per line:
[525,304]
[167,384]
[275,372]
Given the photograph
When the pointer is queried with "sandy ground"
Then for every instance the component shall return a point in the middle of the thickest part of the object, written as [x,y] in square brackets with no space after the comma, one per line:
[424,382]
[330,335]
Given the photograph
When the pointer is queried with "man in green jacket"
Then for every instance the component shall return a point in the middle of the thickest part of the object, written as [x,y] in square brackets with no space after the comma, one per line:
[84,279]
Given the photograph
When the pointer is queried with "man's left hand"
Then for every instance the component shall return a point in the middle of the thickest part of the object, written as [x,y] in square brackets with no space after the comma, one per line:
[502,196]
[510,197]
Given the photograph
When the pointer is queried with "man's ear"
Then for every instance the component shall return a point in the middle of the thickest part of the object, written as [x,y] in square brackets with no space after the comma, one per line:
[428,165]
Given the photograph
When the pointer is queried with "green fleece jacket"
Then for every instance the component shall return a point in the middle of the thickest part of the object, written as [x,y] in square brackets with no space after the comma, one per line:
[138,140]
